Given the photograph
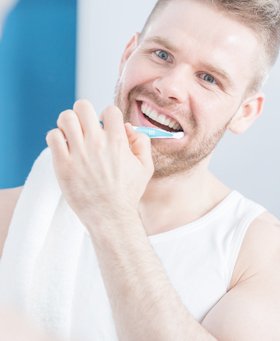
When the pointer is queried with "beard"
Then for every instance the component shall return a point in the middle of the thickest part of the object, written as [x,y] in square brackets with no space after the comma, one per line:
[169,161]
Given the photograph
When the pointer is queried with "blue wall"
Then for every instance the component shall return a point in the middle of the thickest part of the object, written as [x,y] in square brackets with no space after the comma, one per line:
[37,80]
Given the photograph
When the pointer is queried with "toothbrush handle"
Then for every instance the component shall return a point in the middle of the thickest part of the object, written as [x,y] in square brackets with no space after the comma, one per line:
[153,133]
[146,130]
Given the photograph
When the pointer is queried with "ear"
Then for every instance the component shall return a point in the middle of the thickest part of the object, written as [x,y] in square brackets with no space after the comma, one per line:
[248,112]
[130,47]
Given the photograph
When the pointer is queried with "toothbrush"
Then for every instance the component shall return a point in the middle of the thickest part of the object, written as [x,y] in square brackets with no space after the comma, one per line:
[155,133]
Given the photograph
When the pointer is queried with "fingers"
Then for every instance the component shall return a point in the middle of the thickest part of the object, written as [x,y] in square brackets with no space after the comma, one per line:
[77,124]
[112,119]
[88,119]
[140,145]
[81,123]
[69,125]
[56,141]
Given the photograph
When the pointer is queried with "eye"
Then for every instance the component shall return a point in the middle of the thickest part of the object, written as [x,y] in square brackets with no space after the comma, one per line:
[163,55]
[208,78]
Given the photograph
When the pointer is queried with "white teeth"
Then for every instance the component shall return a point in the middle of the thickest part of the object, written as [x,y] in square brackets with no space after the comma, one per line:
[153,115]
[162,119]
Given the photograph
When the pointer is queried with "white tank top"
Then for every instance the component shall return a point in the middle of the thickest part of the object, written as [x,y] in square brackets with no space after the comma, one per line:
[53,274]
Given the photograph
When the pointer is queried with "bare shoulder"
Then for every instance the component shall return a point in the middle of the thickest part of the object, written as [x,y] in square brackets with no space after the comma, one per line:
[260,250]
[8,200]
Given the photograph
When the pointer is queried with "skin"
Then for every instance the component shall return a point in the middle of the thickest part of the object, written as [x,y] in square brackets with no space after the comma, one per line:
[8,200]
[106,175]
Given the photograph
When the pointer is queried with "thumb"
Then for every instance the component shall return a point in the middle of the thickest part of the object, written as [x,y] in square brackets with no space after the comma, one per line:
[140,145]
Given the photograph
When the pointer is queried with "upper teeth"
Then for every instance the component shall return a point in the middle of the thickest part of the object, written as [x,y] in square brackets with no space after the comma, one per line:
[162,119]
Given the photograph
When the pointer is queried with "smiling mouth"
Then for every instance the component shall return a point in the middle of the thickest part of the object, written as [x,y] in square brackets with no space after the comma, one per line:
[159,120]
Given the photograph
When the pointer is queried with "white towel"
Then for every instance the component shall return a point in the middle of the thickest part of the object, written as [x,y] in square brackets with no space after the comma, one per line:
[39,264]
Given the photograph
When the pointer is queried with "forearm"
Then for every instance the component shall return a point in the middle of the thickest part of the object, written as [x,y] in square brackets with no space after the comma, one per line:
[145,305]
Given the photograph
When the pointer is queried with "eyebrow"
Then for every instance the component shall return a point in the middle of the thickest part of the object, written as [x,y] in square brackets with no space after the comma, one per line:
[209,67]
[218,71]
[163,42]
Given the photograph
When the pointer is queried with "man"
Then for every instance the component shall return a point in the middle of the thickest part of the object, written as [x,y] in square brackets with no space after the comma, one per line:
[182,257]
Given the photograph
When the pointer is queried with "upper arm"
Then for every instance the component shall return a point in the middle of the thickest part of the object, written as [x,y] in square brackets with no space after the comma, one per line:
[250,311]
[8,200]
[251,308]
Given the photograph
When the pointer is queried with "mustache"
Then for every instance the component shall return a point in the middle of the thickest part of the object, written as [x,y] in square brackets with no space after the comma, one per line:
[141,91]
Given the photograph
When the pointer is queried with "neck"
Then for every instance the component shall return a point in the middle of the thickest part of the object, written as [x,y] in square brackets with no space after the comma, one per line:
[177,200]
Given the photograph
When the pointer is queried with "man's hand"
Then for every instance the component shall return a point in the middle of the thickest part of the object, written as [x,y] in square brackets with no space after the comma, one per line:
[100,171]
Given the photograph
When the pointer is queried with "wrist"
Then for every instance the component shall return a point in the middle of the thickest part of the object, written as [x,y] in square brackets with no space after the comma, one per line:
[116,220]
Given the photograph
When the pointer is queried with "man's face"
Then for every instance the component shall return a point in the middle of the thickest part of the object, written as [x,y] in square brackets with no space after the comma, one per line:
[189,72]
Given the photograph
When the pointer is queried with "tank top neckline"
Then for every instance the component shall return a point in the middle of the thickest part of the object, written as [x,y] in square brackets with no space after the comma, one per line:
[188,228]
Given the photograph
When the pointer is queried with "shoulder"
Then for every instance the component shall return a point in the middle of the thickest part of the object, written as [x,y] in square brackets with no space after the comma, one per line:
[8,200]
[250,309]
[260,249]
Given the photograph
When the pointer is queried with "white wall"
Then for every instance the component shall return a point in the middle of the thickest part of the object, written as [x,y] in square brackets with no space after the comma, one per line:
[105,28]
[249,163]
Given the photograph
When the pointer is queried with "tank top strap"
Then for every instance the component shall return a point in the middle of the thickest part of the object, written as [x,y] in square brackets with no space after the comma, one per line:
[244,212]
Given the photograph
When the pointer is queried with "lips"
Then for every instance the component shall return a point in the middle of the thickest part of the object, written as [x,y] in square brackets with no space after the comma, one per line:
[157,118]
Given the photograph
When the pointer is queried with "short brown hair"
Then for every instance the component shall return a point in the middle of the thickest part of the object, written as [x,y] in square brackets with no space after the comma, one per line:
[262,16]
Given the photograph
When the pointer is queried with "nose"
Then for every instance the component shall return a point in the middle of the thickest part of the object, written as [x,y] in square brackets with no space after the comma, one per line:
[174,84]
